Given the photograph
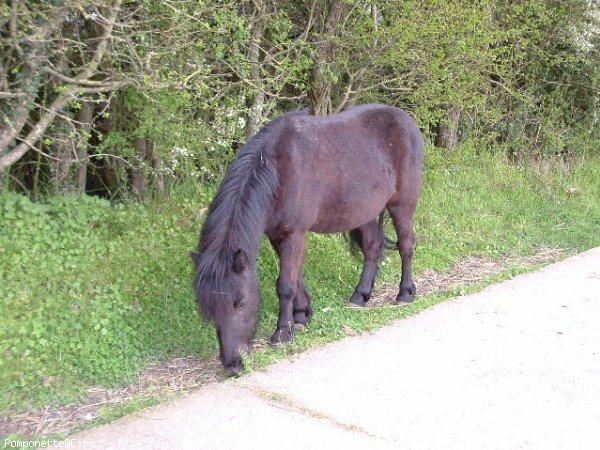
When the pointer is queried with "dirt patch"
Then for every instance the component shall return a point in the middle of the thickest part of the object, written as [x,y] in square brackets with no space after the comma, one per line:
[469,271]
[159,380]
[175,376]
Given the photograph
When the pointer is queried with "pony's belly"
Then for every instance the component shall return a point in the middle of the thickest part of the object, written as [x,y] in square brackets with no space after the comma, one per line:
[327,227]
[334,220]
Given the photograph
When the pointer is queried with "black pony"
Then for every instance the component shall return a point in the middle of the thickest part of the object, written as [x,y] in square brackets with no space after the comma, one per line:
[302,173]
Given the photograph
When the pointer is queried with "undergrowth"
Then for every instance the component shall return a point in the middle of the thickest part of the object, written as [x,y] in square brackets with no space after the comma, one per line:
[91,291]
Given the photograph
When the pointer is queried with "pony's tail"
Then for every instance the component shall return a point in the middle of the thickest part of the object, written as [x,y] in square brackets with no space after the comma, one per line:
[388,243]
[356,239]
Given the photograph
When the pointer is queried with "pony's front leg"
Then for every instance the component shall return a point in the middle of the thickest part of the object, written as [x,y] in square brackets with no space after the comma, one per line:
[291,255]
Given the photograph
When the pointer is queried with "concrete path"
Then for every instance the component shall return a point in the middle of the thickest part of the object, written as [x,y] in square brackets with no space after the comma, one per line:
[515,366]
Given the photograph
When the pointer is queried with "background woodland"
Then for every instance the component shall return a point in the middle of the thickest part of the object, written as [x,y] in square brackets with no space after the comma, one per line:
[119,98]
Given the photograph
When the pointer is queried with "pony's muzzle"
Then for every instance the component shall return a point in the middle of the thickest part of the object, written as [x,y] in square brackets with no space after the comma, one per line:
[235,370]
[234,366]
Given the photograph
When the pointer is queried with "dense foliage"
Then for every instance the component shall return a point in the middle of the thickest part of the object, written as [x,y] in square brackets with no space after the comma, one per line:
[113,97]
[89,290]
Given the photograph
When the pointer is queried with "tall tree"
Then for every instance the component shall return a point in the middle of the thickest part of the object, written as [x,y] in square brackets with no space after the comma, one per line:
[328,20]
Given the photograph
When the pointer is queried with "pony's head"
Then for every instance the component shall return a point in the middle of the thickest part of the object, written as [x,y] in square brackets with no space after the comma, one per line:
[229,296]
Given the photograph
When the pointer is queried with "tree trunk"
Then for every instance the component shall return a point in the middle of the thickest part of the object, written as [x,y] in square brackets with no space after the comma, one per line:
[255,114]
[62,168]
[157,165]
[113,176]
[2,178]
[139,183]
[139,176]
[69,170]
[85,118]
[320,84]
[447,132]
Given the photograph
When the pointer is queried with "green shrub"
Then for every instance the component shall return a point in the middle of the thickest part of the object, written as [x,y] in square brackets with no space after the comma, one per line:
[90,291]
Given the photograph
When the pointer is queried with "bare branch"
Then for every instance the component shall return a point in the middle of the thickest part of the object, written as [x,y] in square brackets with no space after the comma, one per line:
[260,88]
[12,156]
[6,95]
[12,128]
[13,26]
[102,44]
[81,82]
[76,160]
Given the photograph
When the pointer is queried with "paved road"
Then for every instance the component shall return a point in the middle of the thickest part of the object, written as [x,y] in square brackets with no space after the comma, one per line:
[515,366]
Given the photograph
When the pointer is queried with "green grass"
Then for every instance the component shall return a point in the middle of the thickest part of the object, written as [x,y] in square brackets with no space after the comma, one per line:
[90,292]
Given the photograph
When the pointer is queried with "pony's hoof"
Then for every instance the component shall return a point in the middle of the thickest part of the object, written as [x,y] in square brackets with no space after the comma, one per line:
[281,336]
[301,319]
[357,300]
[405,296]
[407,293]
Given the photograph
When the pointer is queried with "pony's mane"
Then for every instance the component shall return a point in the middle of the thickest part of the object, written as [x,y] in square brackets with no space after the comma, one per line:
[236,218]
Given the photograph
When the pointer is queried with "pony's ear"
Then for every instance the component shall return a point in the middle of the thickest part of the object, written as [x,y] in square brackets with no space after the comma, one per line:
[240,261]
[195,257]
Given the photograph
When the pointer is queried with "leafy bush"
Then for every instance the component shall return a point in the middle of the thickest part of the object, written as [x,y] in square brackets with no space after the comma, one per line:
[90,291]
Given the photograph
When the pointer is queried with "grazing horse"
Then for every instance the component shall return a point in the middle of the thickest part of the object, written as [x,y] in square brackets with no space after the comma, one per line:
[303,173]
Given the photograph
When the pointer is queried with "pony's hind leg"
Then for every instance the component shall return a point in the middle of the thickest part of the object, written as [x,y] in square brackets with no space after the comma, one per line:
[371,242]
[302,308]
[402,215]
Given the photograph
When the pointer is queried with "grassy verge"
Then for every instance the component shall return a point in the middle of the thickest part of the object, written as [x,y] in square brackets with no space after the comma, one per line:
[91,292]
